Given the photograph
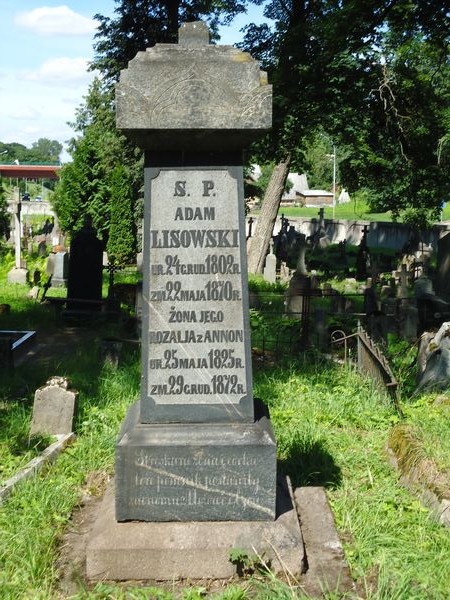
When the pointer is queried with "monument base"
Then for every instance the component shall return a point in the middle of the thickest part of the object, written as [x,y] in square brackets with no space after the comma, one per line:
[195,471]
[18,276]
[192,550]
[58,282]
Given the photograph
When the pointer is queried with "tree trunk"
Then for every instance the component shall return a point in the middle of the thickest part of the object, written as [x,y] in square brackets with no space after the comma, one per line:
[259,243]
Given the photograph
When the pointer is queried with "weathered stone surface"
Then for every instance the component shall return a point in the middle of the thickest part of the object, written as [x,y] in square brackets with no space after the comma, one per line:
[85,267]
[192,450]
[196,335]
[60,269]
[434,359]
[193,550]
[327,567]
[196,87]
[18,276]
[196,472]
[54,408]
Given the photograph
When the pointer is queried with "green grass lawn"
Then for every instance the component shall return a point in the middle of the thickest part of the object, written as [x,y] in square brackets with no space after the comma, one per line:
[356,209]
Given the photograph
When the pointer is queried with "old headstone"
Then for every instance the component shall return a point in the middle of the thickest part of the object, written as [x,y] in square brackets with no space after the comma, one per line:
[60,269]
[194,448]
[363,259]
[270,268]
[196,398]
[85,268]
[19,273]
[42,248]
[54,408]
[443,267]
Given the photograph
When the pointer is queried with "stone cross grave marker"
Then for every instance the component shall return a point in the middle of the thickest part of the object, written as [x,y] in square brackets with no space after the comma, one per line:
[18,274]
[195,448]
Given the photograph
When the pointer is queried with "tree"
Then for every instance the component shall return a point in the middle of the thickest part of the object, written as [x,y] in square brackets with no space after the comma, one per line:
[141,24]
[374,76]
[121,245]
[45,150]
[259,242]
[4,217]
[85,185]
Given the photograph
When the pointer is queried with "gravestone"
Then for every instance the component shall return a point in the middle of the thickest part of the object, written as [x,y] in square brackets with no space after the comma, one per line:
[363,259]
[270,267]
[54,408]
[19,273]
[443,267]
[85,268]
[60,269]
[196,453]
[42,248]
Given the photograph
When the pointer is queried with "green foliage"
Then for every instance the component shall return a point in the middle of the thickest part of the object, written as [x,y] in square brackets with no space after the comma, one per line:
[140,24]
[87,184]
[248,564]
[378,88]
[42,151]
[259,186]
[121,245]
[4,219]
[331,428]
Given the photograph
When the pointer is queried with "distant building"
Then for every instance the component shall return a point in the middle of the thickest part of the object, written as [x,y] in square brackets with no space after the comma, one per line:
[315,198]
[299,194]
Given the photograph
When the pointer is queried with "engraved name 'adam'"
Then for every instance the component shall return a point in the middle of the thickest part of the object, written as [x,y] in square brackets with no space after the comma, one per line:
[186,213]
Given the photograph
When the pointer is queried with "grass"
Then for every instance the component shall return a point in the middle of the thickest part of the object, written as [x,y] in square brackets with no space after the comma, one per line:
[331,426]
[357,209]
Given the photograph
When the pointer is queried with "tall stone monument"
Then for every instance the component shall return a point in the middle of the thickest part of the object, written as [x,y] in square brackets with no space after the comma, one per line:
[196,451]
[194,448]
[18,274]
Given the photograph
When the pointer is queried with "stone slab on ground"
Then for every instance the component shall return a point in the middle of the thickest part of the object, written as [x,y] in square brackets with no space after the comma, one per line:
[190,550]
[327,569]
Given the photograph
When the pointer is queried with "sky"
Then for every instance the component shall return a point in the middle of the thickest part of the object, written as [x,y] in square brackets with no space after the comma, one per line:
[45,48]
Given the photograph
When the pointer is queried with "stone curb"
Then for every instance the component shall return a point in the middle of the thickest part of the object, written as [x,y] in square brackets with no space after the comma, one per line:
[327,568]
[48,455]
[420,475]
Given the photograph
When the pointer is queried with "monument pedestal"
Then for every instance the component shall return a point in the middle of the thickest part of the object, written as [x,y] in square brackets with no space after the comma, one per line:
[194,549]
[18,276]
[196,472]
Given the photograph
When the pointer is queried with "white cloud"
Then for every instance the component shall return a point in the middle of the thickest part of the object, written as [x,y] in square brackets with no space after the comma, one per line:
[57,20]
[25,113]
[57,71]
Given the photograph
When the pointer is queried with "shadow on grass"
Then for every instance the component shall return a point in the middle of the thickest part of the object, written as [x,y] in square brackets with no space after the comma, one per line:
[64,349]
[309,463]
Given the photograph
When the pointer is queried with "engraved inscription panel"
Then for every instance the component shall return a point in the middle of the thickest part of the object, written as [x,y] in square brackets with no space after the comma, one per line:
[170,484]
[197,330]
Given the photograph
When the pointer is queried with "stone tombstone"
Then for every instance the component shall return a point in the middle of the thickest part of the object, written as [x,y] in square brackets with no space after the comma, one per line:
[19,273]
[85,267]
[443,267]
[54,408]
[42,248]
[270,267]
[194,448]
[60,269]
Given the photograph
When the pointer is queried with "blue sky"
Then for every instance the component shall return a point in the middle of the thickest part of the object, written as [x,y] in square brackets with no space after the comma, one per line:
[45,48]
